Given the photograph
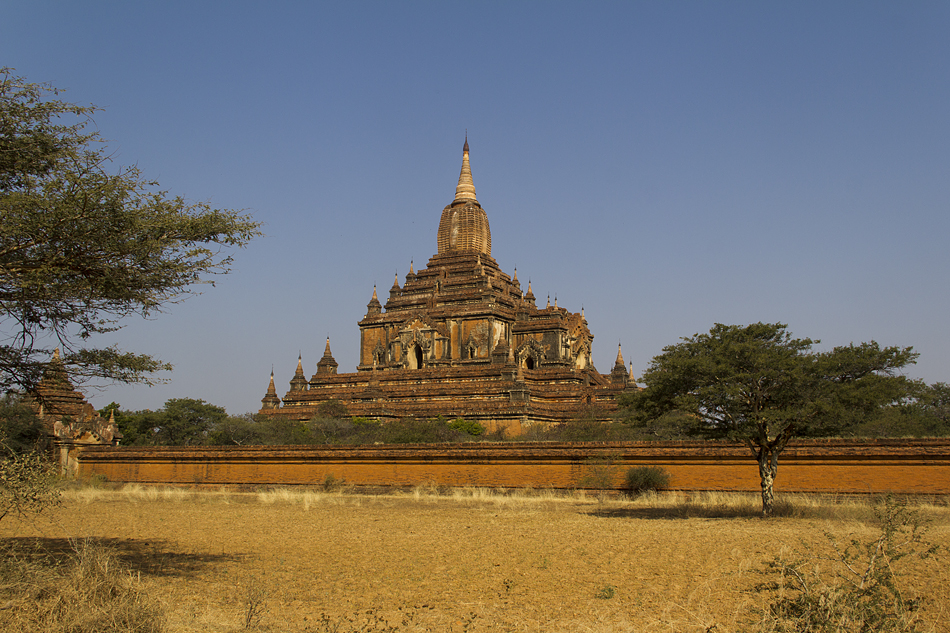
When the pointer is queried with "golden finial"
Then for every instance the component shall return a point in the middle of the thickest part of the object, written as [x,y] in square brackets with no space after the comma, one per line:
[466,187]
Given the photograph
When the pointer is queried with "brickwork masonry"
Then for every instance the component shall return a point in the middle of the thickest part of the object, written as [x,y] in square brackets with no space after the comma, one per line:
[822,466]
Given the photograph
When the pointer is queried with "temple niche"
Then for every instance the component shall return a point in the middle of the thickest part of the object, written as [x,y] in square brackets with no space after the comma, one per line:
[461,338]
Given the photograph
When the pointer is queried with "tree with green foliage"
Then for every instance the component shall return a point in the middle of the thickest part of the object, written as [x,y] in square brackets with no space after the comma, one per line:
[21,430]
[758,385]
[84,245]
[332,409]
[927,414]
[237,430]
[181,422]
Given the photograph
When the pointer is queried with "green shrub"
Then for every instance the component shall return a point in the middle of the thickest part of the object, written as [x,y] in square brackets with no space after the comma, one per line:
[644,478]
[467,426]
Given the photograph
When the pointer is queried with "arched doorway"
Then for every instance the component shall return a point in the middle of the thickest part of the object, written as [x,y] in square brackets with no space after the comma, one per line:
[529,362]
[414,357]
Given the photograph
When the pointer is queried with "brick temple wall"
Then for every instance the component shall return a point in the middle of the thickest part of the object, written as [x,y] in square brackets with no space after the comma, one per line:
[830,466]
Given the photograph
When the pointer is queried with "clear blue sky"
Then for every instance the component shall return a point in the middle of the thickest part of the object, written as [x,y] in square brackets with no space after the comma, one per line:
[665,165]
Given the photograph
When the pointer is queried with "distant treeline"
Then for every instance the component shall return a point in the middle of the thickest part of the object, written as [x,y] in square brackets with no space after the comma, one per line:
[190,422]
[187,422]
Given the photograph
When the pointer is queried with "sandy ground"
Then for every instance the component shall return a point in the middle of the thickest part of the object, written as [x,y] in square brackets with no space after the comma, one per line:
[354,562]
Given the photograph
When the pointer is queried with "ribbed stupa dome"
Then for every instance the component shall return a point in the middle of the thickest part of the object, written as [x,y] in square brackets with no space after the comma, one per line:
[464,224]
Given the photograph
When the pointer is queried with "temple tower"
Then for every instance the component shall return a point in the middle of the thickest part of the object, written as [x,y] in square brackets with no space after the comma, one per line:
[464,224]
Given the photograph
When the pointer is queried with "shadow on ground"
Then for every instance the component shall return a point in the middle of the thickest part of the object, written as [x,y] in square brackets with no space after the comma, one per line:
[684,512]
[150,558]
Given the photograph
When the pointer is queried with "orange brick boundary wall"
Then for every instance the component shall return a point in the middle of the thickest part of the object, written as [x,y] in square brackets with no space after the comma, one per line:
[827,466]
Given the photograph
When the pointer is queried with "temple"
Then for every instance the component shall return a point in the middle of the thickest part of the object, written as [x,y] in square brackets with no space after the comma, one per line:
[460,338]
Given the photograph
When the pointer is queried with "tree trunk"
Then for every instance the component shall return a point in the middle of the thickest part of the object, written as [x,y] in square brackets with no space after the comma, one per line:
[768,468]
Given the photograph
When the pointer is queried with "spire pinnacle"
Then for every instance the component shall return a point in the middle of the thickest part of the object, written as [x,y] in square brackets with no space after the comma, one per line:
[619,355]
[466,187]
[326,351]
[374,293]
[411,269]
[270,399]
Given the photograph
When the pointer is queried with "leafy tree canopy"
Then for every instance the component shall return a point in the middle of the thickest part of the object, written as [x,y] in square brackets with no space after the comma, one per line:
[759,385]
[20,429]
[181,422]
[83,245]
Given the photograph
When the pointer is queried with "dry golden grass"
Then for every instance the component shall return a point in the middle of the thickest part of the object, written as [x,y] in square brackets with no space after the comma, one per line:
[85,589]
[471,559]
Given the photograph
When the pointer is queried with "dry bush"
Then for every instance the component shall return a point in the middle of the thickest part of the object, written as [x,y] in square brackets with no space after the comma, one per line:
[91,591]
[861,588]
[642,479]
[28,483]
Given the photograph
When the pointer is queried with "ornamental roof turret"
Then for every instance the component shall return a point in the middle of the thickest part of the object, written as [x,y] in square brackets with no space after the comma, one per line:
[299,381]
[327,364]
[464,224]
[374,306]
[270,400]
[395,290]
[529,296]
[619,373]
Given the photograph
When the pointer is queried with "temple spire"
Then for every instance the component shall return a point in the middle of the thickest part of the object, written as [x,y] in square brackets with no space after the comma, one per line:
[374,306]
[327,364]
[619,374]
[270,400]
[466,187]
[299,381]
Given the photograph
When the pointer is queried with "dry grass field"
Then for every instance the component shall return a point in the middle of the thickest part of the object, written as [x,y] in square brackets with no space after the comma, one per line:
[463,560]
